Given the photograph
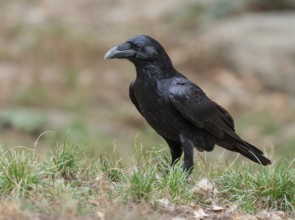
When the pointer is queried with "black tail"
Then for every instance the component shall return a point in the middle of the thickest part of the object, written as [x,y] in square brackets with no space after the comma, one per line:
[252,153]
[244,148]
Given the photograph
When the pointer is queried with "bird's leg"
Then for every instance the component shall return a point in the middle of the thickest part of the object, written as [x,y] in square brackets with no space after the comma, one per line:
[175,150]
[188,150]
[175,154]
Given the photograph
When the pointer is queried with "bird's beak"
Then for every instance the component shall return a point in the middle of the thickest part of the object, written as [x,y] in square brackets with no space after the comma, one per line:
[121,51]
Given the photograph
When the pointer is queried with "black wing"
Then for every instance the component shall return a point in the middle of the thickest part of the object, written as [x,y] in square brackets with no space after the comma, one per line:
[226,117]
[196,107]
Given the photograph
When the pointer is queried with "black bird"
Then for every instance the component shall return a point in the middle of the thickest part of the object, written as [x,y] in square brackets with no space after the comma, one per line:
[176,108]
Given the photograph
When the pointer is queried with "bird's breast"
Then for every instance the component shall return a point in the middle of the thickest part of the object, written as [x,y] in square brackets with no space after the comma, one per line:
[156,108]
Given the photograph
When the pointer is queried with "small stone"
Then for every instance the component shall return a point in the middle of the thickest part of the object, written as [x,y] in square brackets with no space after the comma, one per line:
[217,208]
[100,215]
[164,202]
[200,214]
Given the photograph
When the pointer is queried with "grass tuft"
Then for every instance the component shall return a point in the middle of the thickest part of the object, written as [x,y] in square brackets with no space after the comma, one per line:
[140,184]
[175,184]
[20,173]
[268,187]
[111,168]
[66,159]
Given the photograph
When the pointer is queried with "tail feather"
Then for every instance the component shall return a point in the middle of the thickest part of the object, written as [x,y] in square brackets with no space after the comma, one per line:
[246,149]
[252,153]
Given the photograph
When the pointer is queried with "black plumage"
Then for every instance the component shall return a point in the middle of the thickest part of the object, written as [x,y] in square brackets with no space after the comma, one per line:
[176,108]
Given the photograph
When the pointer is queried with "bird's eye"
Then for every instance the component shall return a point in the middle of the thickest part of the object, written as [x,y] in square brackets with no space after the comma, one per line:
[138,46]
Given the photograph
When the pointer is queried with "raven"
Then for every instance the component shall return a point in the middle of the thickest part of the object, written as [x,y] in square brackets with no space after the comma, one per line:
[176,108]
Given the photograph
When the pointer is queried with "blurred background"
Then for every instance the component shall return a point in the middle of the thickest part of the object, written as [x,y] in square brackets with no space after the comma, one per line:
[53,76]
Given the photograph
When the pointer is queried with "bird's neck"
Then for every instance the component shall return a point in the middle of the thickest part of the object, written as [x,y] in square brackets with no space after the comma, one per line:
[154,71]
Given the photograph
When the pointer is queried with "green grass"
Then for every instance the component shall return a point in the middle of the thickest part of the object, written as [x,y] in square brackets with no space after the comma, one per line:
[71,182]
[270,188]
[20,173]
[175,185]
[140,185]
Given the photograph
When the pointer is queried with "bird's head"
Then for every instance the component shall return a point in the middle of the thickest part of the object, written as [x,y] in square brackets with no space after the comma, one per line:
[139,50]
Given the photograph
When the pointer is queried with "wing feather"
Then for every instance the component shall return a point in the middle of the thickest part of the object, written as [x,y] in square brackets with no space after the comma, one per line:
[196,107]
